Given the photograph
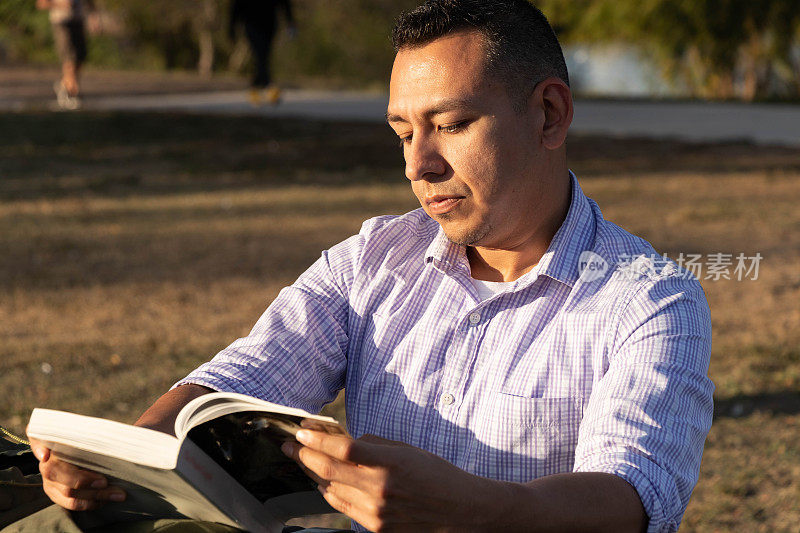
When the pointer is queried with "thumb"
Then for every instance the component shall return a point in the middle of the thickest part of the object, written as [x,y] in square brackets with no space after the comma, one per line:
[40,451]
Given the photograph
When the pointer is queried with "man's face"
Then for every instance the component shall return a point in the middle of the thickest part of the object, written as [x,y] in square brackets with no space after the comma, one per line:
[470,155]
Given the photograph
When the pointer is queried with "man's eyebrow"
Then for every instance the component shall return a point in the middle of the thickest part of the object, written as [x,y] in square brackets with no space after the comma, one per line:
[442,106]
[391,117]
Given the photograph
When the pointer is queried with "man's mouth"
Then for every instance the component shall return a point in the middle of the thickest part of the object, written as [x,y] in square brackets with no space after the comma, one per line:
[440,204]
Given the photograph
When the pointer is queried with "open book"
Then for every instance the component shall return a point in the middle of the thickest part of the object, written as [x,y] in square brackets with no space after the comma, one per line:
[225,465]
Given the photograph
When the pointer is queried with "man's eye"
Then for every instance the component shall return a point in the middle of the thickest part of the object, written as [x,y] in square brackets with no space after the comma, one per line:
[453,128]
[405,140]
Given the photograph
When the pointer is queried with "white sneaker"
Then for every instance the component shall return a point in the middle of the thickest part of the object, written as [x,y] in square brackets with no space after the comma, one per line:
[64,99]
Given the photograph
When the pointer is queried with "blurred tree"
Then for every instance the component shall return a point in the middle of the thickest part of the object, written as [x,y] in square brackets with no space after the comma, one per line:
[720,48]
[24,32]
[343,40]
[204,25]
[179,34]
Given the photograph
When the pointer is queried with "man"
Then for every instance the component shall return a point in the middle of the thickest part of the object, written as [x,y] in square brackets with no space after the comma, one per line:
[491,383]
[260,20]
[67,19]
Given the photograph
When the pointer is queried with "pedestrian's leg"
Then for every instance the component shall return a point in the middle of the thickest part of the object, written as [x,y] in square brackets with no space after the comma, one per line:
[71,45]
[273,92]
[77,34]
[269,37]
[257,37]
[69,77]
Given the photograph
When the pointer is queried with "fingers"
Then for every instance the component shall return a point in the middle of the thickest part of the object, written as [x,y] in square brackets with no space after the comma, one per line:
[355,505]
[81,499]
[40,451]
[323,468]
[69,475]
[326,427]
[374,513]
[72,487]
[341,485]
[340,447]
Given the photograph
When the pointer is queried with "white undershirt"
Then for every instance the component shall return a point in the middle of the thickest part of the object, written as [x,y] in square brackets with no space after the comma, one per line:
[487,289]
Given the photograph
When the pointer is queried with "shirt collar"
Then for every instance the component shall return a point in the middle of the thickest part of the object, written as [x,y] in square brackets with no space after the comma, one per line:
[559,262]
[444,254]
[576,234]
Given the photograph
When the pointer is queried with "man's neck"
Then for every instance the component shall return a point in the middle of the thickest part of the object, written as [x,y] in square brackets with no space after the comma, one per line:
[501,265]
[514,260]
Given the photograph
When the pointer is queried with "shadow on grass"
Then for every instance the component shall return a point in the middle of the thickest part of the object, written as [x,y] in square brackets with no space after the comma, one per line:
[785,402]
[117,154]
[47,155]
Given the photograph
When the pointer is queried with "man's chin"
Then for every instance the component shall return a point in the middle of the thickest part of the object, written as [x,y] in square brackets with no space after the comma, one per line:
[464,236]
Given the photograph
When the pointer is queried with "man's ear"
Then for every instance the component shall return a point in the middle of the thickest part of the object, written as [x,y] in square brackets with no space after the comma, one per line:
[553,97]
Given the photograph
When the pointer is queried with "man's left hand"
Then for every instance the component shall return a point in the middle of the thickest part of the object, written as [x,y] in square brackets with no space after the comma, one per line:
[387,485]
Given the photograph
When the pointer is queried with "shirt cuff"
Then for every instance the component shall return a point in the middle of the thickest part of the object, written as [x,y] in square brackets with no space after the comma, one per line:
[651,492]
[213,381]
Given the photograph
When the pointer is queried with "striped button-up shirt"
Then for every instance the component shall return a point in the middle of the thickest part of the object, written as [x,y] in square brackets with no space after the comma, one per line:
[595,360]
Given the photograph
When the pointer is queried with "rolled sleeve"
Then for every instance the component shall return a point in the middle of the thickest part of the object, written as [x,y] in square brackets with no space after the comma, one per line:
[648,417]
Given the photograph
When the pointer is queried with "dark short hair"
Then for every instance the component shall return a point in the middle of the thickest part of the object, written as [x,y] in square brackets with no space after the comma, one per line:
[521,47]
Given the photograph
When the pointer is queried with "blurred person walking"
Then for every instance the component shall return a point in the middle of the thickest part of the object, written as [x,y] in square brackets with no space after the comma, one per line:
[260,21]
[67,18]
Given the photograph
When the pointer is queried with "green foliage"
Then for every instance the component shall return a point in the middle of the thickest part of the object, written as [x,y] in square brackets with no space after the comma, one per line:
[24,32]
[342,40]
[163,35]
[720,48]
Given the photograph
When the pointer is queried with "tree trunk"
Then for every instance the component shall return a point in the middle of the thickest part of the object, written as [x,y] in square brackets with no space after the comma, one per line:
[205,61]
[749,83]
[205,37]
[724,85]
[749,56]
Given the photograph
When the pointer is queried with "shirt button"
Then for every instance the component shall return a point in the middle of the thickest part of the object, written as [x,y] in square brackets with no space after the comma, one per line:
[474,318]
[448,399]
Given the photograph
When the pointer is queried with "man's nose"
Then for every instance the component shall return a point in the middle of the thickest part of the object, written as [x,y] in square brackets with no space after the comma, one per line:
[423,160]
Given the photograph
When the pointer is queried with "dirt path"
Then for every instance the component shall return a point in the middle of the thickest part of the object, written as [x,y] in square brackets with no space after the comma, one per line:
[26,89]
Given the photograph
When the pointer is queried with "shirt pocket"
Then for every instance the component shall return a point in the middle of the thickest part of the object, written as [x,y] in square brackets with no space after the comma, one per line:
[520,439]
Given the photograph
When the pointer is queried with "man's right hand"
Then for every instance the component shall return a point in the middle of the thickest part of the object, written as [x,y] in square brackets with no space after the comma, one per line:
[71,487]
[78,489]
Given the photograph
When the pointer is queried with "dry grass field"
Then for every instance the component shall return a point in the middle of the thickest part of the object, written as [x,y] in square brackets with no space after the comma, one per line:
[136,246]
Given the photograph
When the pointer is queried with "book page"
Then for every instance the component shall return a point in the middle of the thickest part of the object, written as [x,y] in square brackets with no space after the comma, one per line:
[114,439]
[217,404]
[163,476]
[247,445]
